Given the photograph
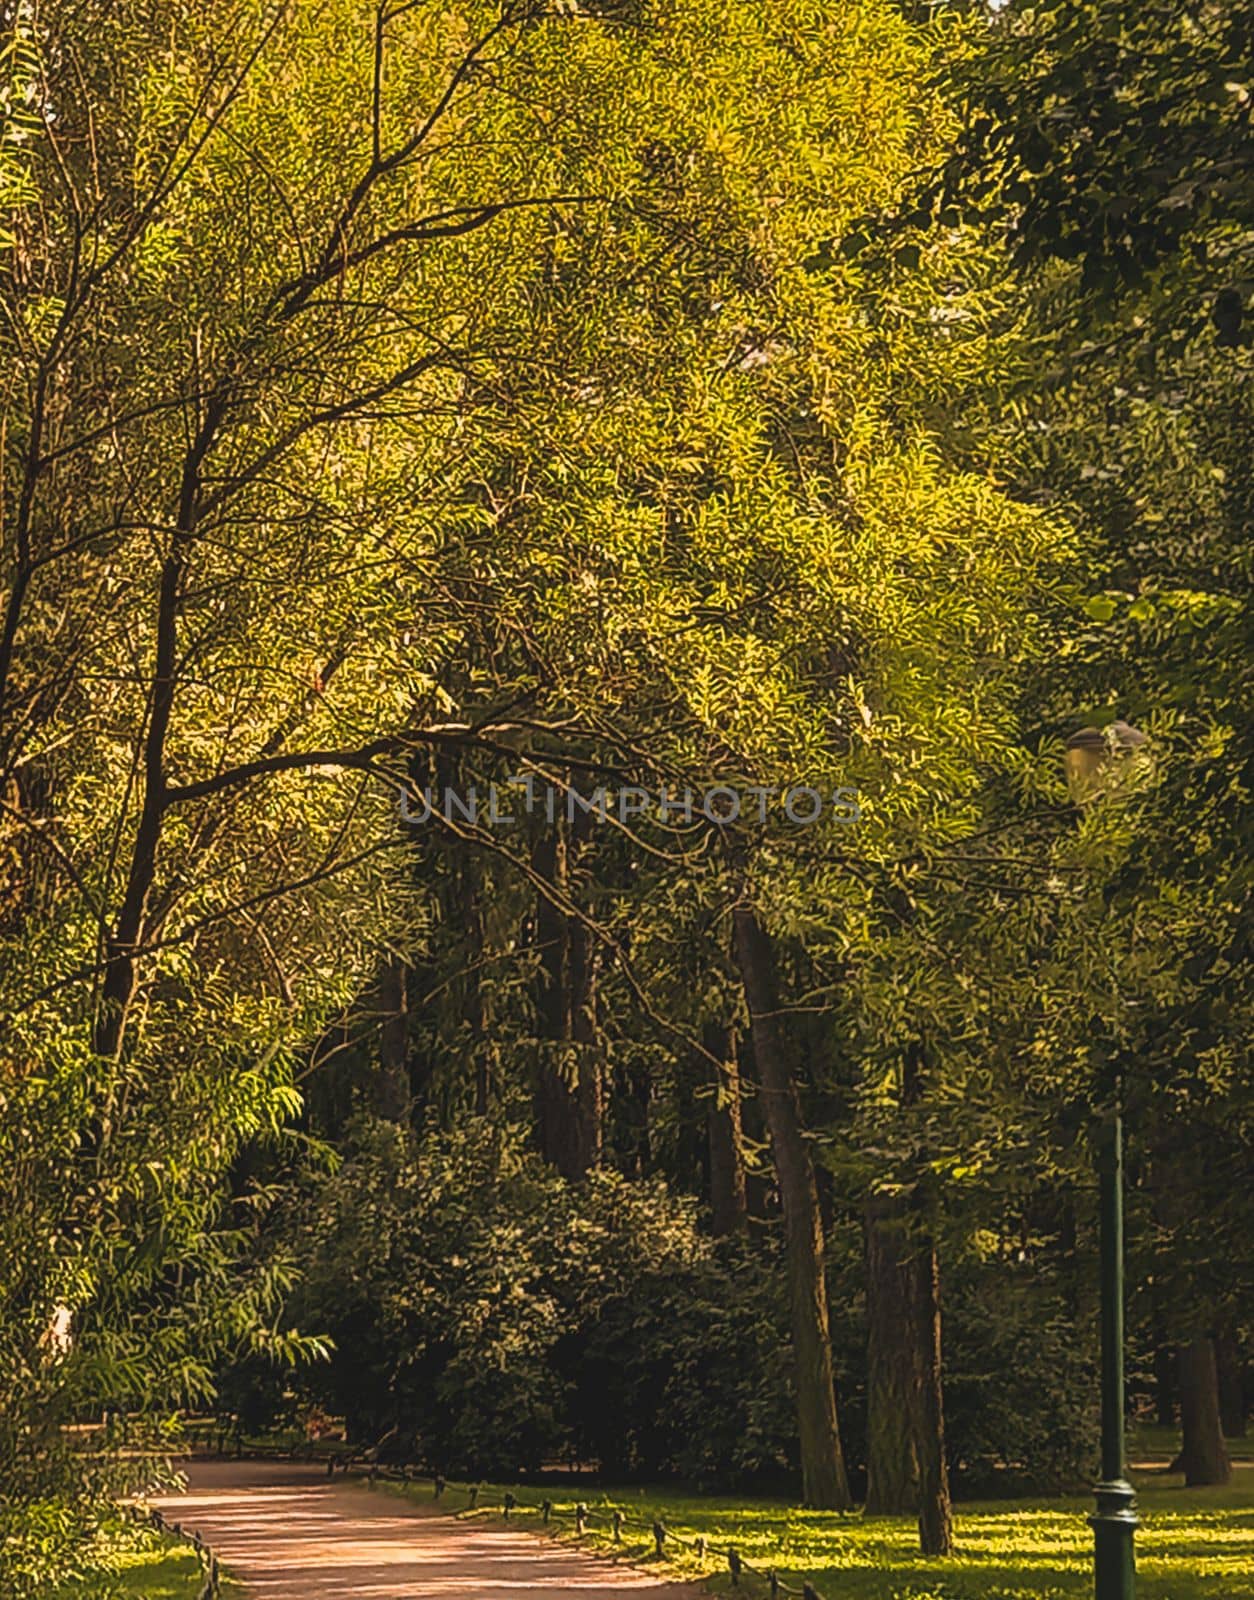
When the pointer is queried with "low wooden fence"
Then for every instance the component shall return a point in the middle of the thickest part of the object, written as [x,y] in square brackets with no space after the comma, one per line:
[664,1536]
[211,1585]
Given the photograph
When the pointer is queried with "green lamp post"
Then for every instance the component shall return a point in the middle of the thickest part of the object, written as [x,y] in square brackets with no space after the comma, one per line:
[1095,760]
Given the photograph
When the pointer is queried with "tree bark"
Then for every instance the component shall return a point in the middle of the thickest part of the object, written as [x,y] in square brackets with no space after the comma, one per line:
[475,1002]
[588,1108]
[570,1091]
[936,1527]
[392,1090]
[121,970]
[549,861]
[906,1467]
[935,1508]
[761,1195]
[892,1483]
[728,1201]
[1203,1457]
[825,1484]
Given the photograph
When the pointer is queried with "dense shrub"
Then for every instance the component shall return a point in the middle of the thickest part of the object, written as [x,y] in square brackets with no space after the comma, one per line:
[489,1317]
[1021,1384]
[689,1373]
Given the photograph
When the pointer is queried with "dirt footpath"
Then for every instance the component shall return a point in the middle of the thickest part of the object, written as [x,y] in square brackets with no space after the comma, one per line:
[289,1533]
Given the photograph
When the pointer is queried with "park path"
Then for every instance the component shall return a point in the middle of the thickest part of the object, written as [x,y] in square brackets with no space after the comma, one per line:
[289,1533]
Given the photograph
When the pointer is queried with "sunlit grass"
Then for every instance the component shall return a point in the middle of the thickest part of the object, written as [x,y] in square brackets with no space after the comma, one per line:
[1195,1544]
[169,1574]
[161,1572]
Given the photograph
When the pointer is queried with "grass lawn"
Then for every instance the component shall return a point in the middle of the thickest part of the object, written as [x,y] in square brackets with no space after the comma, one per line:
[1195,1544]
[1147,1441]
[168,1574]
[165,1572]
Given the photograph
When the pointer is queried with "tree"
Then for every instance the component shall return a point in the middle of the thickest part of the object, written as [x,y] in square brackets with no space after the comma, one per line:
[1108,148]
[824,1480]
[229,361]
[706,469]
[1203,1458]
[478,391]
[907,1468]
[725,1133]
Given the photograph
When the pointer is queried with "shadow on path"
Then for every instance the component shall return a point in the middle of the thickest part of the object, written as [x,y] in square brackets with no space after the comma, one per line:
[289,1533]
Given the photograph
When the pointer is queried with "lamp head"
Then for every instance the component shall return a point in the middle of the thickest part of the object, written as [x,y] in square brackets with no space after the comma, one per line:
[1092,753]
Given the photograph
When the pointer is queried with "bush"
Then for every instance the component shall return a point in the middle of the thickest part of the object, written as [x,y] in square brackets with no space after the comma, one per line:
[488,1317]
[689,1373]
[1021,1387]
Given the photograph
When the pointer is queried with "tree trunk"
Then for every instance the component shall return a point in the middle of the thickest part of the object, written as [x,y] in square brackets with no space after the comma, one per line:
[906,1467]
[825,1485]
[935,1509]
[121,968]
[1203,1457]
[570,1090]
[936,1528]
[892,1482]
[392,1091]
[588,1106]
[553,1120]
[1230,1369]
[760,1191]
[475,1004]
[728,1204]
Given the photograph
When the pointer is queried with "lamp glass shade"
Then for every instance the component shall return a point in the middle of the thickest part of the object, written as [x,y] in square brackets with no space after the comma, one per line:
[1092,753]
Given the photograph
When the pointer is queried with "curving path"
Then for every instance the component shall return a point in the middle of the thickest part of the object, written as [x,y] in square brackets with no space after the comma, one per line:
[289,1533]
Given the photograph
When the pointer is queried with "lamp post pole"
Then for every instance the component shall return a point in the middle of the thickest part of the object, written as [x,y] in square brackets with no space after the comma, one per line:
[1090,756]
